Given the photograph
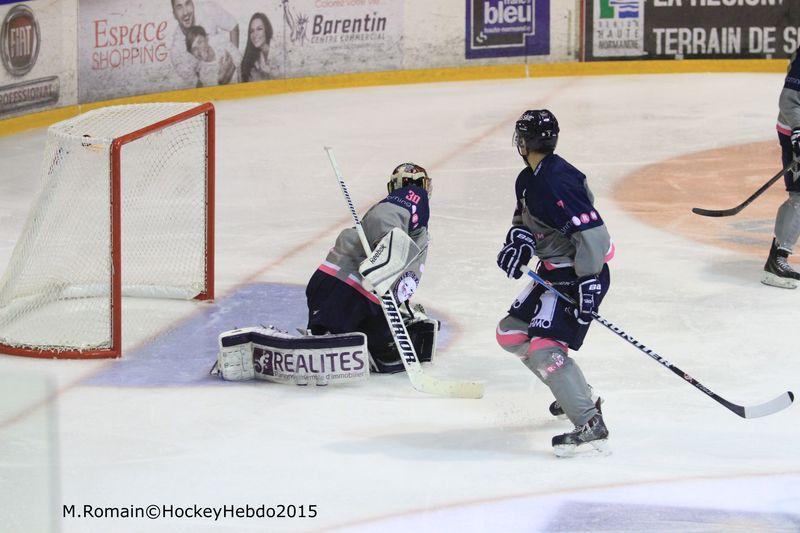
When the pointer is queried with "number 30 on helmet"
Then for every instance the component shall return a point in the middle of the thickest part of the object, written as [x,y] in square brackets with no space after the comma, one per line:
[410,174]
[536,131]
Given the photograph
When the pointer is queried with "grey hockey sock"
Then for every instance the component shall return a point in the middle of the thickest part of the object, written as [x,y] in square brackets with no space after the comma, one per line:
[562,375]
[787,222]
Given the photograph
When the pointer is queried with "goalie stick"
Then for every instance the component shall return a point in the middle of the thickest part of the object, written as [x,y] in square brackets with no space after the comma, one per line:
[735,210]
[419,380]
[755,411]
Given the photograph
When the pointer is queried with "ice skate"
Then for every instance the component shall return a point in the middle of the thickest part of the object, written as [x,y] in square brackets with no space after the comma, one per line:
[590,437]
[777,271]
[557,411]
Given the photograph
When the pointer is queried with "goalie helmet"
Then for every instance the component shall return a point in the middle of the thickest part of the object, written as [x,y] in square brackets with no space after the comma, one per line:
[536,131]
[410,174]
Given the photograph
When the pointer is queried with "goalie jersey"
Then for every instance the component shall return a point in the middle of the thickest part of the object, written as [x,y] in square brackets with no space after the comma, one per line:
[405,208]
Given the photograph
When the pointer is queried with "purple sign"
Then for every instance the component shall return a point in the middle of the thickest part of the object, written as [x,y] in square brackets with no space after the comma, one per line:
[326,364]
[504,28]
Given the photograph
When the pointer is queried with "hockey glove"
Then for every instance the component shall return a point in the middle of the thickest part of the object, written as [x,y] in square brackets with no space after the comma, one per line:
[587,297]
[416,313]
[412,313]
[796,143]
[518,250]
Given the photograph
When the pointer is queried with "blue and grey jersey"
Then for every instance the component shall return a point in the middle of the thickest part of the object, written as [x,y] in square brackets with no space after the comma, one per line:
[406,208]
[554,202]
[789,101]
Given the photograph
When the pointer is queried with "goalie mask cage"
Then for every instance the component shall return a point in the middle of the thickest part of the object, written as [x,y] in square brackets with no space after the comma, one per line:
[125,208]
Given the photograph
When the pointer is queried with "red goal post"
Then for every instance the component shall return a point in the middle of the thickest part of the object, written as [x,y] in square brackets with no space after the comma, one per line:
[126,208]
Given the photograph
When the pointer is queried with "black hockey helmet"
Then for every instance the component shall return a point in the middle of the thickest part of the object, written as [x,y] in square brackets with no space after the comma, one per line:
[410,174]
[536,131]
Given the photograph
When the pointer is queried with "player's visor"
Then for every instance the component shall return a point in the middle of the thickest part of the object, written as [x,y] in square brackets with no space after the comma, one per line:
[519,143]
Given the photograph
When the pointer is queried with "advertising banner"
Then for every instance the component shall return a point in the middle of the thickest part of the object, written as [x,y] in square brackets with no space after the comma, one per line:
[37,70]
[692,29]
[137,47]
[618,28]
[504,28]
[335,36]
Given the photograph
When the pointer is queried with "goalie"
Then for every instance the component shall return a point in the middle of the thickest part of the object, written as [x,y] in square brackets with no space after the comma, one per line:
[341,293]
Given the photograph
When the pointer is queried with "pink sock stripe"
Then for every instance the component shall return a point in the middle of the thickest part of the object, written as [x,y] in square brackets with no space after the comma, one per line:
[540,343]
[357,286]
[511,338]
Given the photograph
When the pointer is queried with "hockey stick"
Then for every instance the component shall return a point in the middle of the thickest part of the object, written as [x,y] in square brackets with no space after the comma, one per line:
[734,210]
[773,406]
[419,380]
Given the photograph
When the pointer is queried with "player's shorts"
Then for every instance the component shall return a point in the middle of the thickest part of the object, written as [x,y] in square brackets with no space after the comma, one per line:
[549,316]
[791,179]
[336,307]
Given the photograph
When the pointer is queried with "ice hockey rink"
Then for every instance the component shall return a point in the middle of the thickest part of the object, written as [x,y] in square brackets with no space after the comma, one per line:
[153,428]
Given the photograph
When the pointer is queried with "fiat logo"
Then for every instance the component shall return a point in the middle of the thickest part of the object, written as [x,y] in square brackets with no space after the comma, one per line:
[19,41]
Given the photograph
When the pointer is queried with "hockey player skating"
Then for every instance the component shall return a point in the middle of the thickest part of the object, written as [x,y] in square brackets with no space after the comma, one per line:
[777,271]
[556,221]
[339,302]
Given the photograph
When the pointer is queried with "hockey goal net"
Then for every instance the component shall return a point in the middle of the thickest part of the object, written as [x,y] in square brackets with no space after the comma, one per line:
[125,208]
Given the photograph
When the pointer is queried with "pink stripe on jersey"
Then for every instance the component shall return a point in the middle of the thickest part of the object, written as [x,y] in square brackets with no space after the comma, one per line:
[329,268]
[332,270]
[357,286]
[611,251]
[783,128]
[552,266]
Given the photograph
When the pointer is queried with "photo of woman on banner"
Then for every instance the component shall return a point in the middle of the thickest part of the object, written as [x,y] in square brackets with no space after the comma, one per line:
[215,21]
[214,54]
[255,66]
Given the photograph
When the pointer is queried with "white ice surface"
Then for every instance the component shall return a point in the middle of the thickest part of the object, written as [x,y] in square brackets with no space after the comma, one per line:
[380,456]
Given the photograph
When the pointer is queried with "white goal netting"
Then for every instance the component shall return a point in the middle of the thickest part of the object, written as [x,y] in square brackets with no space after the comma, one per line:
[56,292]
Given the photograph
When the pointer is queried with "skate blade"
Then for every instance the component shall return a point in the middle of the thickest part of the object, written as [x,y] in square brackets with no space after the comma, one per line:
[598,447]
[772,280]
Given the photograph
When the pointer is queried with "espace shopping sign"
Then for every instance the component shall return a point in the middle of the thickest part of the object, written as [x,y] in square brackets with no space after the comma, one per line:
[503,28]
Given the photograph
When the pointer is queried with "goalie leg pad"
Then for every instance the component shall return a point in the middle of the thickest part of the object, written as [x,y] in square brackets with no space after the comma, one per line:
[235,359]
[280,357]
